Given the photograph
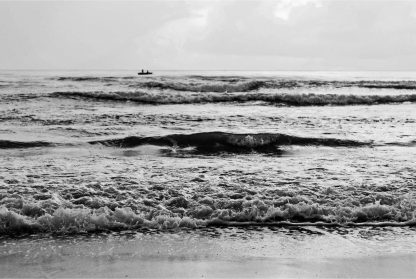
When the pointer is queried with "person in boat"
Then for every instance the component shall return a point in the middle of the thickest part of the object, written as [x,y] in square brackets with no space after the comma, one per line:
[144,73]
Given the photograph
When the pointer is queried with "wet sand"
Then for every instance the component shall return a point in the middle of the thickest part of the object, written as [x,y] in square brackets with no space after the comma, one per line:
[214,254]
[398,266]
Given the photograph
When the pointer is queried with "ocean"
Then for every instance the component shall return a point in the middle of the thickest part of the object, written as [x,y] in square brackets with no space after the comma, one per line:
[84,152]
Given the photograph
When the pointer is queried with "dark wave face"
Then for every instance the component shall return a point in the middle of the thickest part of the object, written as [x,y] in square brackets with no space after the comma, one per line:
[275,99]
[211,142]
[6,144]
[219,141]
[207,142]
[411,143]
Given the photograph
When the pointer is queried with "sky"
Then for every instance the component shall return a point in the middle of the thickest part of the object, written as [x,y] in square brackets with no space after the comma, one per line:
[209,35]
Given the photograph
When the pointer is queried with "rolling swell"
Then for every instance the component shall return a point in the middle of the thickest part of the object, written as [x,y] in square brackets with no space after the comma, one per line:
[89,79]
[229,142]
[198,83]
[215,142]
[222,83]
[6,144]
[275,99]
[214,87]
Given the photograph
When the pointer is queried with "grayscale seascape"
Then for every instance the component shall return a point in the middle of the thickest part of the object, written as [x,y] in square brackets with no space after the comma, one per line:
[295,154]
[243,139]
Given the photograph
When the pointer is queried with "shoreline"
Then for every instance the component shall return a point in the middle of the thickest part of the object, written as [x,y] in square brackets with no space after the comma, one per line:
[216,253]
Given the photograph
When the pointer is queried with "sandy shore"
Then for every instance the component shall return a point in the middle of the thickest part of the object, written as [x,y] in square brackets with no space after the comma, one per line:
[213,254]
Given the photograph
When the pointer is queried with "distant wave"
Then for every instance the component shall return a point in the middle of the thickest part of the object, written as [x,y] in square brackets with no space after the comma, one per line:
[275,99]
[213,87]
[274,82]
[6,144]
[87,78]
[398,85]
[93,78]
[411,143]
[197,83]
[229,142]
[21,96]
[244,84]
[233,78]
[79,78]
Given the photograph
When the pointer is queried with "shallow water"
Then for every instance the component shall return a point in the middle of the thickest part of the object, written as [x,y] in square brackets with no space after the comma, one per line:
[82,152]
[214,252]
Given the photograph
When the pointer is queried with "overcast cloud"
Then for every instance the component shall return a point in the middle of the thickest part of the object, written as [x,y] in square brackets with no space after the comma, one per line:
[244,35]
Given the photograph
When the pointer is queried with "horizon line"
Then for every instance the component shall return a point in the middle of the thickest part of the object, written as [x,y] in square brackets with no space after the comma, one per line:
[214,70]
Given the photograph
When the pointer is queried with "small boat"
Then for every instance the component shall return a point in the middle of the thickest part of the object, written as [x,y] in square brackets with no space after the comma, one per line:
[144,73]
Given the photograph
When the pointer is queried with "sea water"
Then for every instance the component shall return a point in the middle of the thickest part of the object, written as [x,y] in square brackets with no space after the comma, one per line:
[88,151]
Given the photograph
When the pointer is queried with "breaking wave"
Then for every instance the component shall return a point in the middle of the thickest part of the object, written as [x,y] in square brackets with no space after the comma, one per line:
[213,142]
[275,99]
[32,218]
[229,142]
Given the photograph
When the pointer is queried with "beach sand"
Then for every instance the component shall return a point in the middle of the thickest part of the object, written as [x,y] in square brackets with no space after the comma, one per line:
[214,253]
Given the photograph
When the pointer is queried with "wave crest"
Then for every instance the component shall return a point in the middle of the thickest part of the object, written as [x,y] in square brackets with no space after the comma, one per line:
[87,78]
[275,99]
[213,87]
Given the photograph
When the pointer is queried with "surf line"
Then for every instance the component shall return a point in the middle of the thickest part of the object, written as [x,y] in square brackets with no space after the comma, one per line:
[221,223]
